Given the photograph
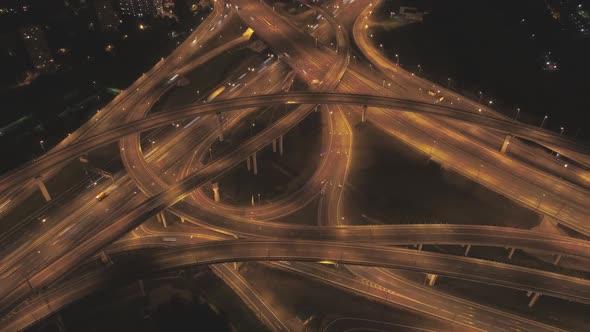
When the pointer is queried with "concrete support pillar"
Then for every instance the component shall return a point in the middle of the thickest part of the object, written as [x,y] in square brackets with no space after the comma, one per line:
[511,253]
[248,165]
[215,187]
[182,220]
[85,162]
[534,299]
[506,143]
[60,323]
[220,125]
[255,163]
[557,259]
[274,145]
[467,249]
[141,288]
[431,279]
[420,247]
[281,145]
[43,189]
[364,114]
[104,257]
[162,218]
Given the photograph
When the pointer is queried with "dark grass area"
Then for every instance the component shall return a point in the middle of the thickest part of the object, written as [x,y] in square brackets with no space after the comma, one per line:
[391,183]
[194,300]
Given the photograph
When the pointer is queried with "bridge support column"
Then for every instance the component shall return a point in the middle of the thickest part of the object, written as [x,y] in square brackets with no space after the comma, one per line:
[419,247]
[43,189]
[467,249]
[220,125]
[274,145]
[534,299]
[255,163]
[506,143]
[281,145]
[84,161]
[431,279]
[162,218]
[182,220]
[141,288]
[215,187]
[511,253]
[104,257]
[557,259]
[364,114]
[248,165]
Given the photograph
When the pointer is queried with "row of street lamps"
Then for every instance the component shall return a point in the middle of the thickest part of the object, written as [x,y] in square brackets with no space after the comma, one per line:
[480,93]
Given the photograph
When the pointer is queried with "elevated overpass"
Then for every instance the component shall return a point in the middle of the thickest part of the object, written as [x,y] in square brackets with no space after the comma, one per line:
[39,165]
[499,274]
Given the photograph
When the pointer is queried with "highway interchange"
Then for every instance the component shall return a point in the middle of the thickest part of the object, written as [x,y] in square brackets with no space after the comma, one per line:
[37,262]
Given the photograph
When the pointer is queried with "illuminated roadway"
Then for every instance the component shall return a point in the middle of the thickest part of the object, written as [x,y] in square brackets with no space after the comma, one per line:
[241,210]
[174,194]
[296,98]
[166,199]
[366,255]
[453,313]
[479,270]
[142,211]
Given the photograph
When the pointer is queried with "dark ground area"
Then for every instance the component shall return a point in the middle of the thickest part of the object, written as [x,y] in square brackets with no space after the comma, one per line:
[277,175]
[194,301]
[391,183]
[85,70]
[486,46]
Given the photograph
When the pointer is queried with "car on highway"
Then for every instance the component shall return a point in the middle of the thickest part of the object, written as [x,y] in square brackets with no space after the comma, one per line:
[101,196]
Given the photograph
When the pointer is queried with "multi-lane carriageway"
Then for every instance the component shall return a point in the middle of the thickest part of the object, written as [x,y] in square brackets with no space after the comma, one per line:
[518,129]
